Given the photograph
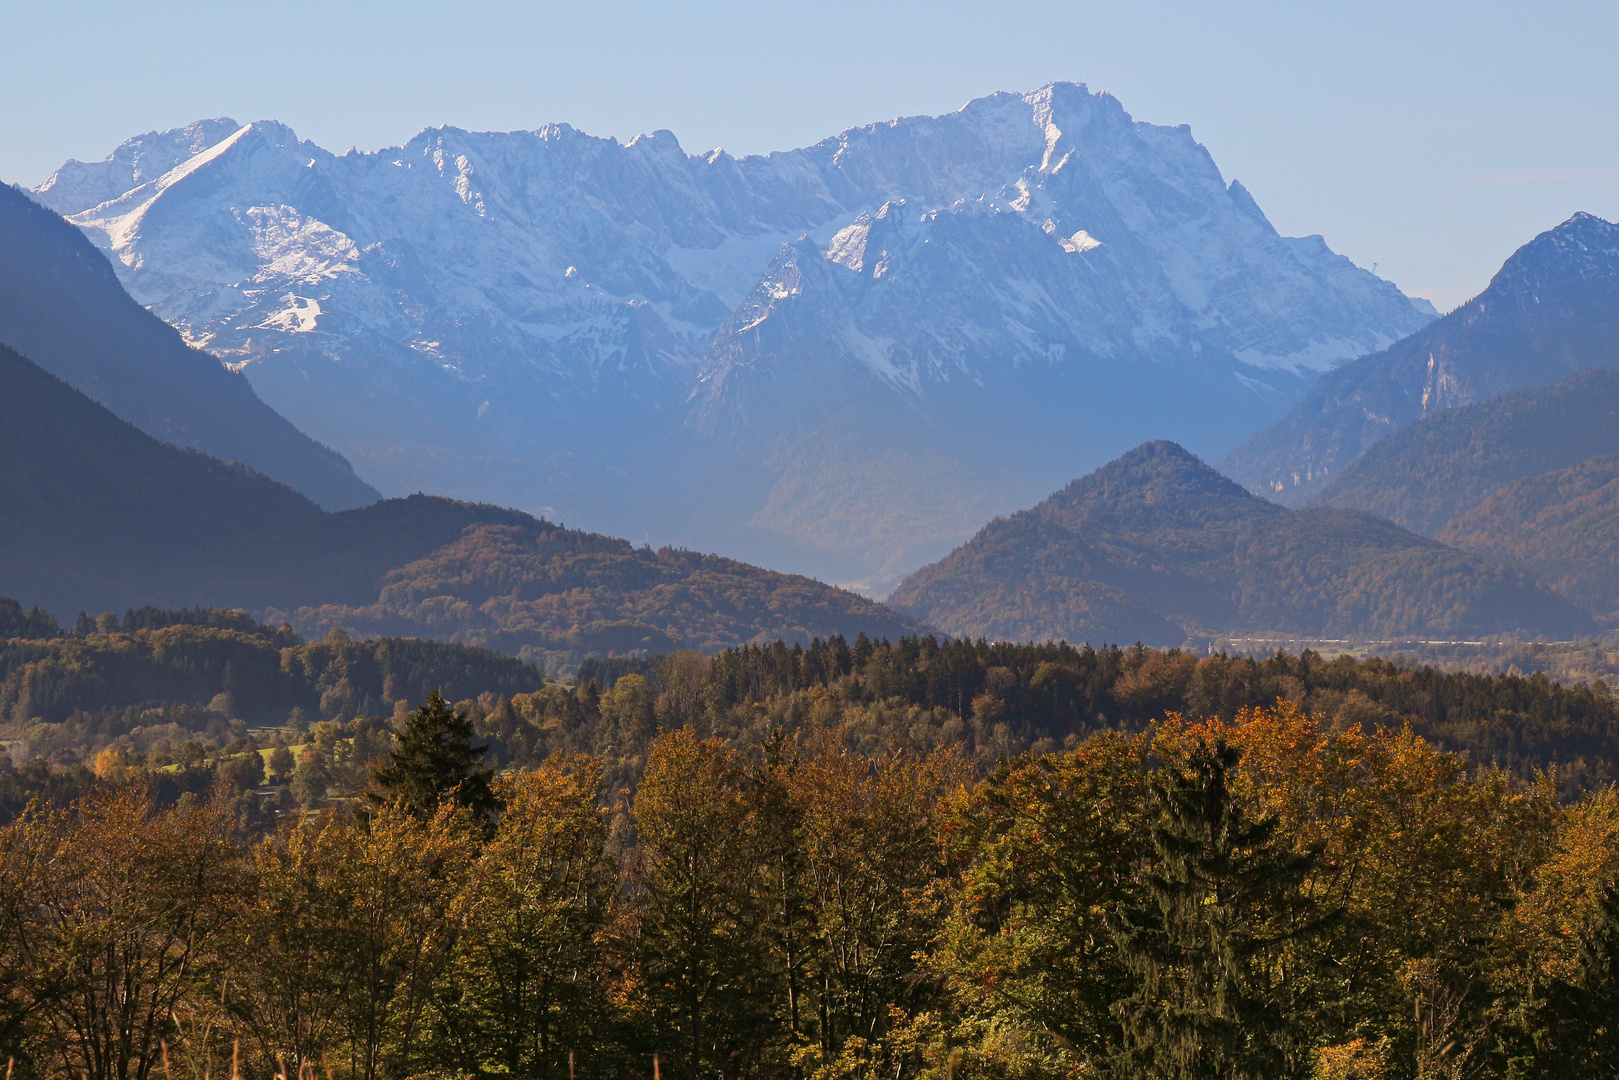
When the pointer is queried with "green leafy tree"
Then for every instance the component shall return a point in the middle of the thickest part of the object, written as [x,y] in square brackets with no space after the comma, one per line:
[527,987]
[627,719]
[311,778]
[1594,1001]
[282,763]
[1051,845]
[433,762]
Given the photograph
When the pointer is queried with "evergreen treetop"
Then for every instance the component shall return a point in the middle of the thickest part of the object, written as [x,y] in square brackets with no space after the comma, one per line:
[433,760]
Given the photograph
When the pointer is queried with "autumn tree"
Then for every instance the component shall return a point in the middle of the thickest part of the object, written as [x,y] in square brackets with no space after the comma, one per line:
[1049,848]
[26,854]
[872,856]
[1574,1027]
[132,906]
[291,1000]
[527,984]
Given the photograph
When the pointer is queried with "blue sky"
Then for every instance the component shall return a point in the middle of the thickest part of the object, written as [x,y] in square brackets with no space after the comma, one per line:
[1428,138]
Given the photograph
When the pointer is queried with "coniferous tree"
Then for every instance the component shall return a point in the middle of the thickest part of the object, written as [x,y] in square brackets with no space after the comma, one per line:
[1196,940]
[1574,1029]
[434,761]
[1596,1002]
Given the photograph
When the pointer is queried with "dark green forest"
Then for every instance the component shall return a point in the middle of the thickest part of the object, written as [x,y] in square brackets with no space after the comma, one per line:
[1563,526]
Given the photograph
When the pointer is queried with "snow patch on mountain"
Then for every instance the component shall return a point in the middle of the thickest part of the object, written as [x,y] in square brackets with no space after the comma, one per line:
[79,185]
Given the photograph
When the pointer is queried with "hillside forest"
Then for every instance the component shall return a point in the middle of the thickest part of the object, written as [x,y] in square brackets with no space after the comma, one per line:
[910,858]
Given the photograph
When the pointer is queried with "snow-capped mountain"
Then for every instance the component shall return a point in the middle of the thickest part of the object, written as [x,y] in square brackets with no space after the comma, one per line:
[840,359]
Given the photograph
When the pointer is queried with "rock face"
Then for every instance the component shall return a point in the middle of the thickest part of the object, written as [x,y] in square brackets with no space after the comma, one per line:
[840,359]
[1551,311]
[1158,547]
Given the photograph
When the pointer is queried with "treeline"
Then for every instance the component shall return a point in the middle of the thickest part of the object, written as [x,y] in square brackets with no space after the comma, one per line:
[154,679]
[985,702]
[146,693]
[998,699]
[1271,896]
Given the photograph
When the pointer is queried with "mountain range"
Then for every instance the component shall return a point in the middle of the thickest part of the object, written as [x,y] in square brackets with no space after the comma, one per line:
[837,359]
[1158,547]
[1526,477]
[840,358]
[1551,310]
[1428,474]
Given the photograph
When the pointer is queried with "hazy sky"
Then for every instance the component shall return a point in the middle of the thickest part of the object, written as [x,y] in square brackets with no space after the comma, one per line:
[1428,138]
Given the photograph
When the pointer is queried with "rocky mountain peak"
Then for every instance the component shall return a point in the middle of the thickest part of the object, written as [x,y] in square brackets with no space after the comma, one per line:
[1580,253]
[1552,310]
[79,185]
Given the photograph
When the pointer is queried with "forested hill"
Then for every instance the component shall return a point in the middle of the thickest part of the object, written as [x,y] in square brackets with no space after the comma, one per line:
[1446,464]
[1157,546]
[1563,526]
[62,306]
[101,516]
[1552,310]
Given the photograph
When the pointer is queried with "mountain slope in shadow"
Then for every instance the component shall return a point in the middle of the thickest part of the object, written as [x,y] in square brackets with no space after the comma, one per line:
[1444,465]
[1552,310]
[62,306]
[102,516]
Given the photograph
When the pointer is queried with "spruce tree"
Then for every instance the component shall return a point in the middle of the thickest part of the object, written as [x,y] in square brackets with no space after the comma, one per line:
[434,761]
[1574,1029]
[1219,887]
